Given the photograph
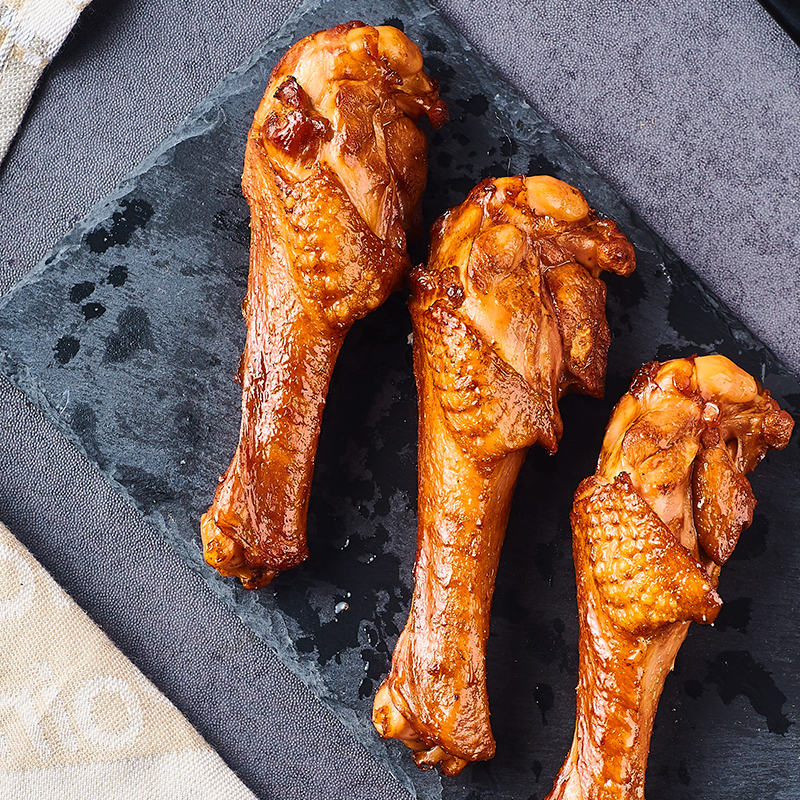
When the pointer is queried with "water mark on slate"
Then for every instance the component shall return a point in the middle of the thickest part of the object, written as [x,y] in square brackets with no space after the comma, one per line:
[80,291]
[66,348]
[508,146]
[493,170]
[734,614]
[693,688]
[440,70]
[117,275]
[133,214]
[93,310]
[753,541]
[84,423]
[435,43]
[133,334]
[539,165]
[544,640]
[543,695]
[734,672]
[477,105]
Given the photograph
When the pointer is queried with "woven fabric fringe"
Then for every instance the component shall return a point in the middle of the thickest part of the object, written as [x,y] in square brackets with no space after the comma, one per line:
[77,718]
[31,32]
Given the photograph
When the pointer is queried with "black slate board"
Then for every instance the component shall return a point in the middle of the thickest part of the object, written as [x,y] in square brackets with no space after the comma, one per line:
[128,335]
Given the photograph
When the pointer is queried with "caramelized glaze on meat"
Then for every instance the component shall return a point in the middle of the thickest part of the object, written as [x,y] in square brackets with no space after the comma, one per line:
[651,529]
[508,315]
[335,168]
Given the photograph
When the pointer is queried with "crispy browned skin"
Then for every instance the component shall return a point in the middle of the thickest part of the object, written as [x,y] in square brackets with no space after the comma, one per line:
[651,529]
[334,172]
[508,315]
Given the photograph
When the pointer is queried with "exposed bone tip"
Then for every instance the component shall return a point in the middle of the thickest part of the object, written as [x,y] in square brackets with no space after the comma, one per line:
[389,720]
[227,556]
[391,724]
[549,195]
[449,764]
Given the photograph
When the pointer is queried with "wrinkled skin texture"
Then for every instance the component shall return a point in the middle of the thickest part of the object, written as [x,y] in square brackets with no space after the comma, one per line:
[508,315]
[651,530]
[335,168]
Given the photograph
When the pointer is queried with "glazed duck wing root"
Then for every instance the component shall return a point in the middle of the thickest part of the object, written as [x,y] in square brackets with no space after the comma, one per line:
[508,315]
[651,529]
[335,168]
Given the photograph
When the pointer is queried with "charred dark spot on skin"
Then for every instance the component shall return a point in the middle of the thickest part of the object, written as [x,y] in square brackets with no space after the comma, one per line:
[133,214]
[294,127]
[80,291]
[133,334]
[735,672]
[66,349]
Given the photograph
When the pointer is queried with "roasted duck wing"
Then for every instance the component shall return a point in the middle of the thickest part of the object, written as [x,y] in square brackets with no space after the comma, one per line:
[508,315]
[651,530]
[335,168]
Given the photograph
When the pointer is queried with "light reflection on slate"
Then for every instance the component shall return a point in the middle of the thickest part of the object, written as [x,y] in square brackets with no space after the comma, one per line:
[128,337]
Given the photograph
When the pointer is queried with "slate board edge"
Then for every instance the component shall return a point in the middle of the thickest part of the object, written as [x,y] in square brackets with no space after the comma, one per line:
[201,121]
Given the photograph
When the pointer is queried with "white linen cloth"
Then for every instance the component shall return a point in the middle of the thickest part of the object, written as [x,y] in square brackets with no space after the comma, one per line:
[31,32]
[77,718]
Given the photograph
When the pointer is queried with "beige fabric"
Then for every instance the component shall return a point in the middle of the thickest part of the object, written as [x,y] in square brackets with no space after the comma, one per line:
[31,31]
[77,718]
